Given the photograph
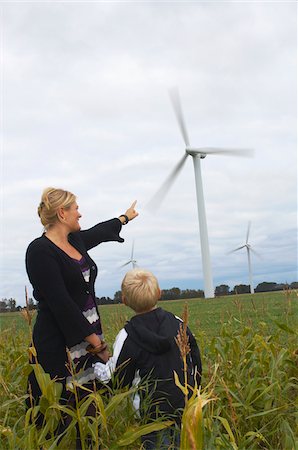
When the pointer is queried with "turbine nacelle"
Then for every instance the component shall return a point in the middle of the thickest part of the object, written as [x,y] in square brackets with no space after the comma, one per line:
[195,151]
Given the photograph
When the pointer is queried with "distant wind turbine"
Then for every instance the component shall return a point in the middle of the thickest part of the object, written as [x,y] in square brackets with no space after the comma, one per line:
[197,154]
[248,249]
[132,260]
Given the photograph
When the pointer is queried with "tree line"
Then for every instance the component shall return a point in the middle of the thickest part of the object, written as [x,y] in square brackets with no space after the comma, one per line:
[10,305]
[174,293]
[265,286]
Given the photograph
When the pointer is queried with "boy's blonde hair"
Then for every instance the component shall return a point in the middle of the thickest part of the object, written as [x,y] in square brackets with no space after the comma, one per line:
[140,289]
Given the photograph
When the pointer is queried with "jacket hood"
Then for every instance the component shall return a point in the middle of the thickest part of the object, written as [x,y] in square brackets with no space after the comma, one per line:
[145,331]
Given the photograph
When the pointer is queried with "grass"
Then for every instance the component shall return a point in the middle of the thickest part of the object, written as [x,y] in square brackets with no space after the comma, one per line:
[249,349]
[205,316]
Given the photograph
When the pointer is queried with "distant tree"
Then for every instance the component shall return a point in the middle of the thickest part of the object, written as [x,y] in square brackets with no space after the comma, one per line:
[3,305]
[100,301]
[192,293]
[118,297]
[11,304]
[241,289]
[201,293]
[176,292]
[294,285]
[104,301]
[164,294]
[266,286]
[31,304]
[170,294]
[281,286]
[222,289]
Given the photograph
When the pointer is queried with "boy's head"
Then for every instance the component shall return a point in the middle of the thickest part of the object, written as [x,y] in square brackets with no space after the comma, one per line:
[140,290]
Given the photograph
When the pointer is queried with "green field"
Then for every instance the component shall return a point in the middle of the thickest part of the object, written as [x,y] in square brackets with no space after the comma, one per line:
[249,351]
[205,316]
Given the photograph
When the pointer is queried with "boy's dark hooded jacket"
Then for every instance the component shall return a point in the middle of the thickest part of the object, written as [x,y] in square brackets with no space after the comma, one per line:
[146,348]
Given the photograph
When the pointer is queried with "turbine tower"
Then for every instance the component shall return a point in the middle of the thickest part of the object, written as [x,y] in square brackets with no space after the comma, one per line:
[197,154]
[248,249]
[132,260]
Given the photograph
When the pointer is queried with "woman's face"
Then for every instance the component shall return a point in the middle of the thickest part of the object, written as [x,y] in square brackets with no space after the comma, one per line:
[71,217]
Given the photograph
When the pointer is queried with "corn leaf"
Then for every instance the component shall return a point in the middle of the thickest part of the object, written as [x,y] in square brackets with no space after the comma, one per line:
[131,435]
[227,428]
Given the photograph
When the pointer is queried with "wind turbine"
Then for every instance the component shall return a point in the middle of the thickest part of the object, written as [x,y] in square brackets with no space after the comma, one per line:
[132,260]
[197,154]
[248,249]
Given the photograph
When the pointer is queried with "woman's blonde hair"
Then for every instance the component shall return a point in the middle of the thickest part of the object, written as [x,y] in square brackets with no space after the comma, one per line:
[140,289]
[51,200]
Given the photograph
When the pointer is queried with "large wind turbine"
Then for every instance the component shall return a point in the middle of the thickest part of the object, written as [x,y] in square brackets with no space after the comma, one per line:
[248,249]
[132,260]
[197,154]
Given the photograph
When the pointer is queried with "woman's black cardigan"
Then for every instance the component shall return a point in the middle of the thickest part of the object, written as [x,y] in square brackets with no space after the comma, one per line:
[61,292]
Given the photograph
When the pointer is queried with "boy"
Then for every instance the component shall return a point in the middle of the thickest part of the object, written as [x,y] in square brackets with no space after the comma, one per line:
[146,349]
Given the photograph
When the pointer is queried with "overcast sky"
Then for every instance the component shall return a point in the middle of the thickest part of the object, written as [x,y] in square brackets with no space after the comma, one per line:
[85,107]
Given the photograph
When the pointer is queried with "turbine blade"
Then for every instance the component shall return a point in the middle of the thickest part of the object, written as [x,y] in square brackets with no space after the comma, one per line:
[235,249]
[243,152]
[159,196]
[175,98]
[123,265]
[248,230]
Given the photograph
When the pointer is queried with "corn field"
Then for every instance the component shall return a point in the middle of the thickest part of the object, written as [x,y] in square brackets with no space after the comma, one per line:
[248,397]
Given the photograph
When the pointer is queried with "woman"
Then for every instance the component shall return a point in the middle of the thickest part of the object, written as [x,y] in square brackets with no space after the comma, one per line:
[63,275]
